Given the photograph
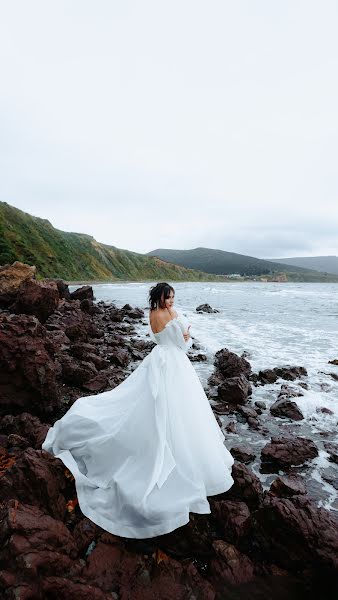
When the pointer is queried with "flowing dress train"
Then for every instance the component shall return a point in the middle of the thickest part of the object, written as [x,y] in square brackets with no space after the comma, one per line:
[149,451]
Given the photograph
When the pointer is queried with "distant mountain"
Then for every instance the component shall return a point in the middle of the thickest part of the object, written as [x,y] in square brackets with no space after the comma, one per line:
[222,262]
[325,264]
[77,256]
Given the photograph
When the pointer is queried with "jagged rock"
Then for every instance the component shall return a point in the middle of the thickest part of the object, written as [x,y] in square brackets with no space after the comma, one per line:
[231,427]
[324,410]
[133,312]
[333,362]
[76,371]
[97,383]
[11,278]
[229,364]
[119,357]
[230,567]
[39,298]
[234,390]
[25,425]
[332,449]
[28,371]
[231,516]
[246,487]
[286,391]
[286,409]
[289,373]
[62,287]
[243,454]
[38,479]
[295,534]
[286,486]
[76,324]
[83,293]
[198,357]
[284,452]
[206,308]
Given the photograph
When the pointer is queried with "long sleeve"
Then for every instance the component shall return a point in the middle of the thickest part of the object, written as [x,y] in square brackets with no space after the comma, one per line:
[176,329]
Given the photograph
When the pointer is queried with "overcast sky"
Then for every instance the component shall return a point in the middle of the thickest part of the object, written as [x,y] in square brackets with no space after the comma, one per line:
[149,123]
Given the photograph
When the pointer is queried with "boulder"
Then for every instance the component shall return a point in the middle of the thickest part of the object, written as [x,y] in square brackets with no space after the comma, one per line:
[230,567]
[243,454]
[286,486]
[206,308]
[36,478]
[83,293]
[229,364]
[246,487]
[25,425]
[37,298]
[28,370]
[231,517]
[284,452]
[295,534]
[11,278]
[286,409]
[287,372]
[234,390]
[332,449]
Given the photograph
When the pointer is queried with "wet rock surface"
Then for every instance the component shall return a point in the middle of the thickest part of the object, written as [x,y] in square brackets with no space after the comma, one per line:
[255,543]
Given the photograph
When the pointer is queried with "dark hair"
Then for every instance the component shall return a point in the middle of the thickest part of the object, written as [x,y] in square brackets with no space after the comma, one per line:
[156,292]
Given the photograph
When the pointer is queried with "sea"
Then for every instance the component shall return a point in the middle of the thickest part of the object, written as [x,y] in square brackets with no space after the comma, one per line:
[275,324]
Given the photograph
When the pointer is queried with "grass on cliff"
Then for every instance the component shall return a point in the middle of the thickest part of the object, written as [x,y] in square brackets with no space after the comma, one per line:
[73,256]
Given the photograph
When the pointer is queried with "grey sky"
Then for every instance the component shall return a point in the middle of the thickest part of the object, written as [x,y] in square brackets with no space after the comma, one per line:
[174,124]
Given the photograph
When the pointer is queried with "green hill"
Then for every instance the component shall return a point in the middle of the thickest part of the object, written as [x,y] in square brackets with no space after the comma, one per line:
[222,262]
[325,264]
[77,256]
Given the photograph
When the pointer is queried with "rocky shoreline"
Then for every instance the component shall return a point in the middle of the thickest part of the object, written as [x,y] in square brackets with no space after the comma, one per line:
[56,346]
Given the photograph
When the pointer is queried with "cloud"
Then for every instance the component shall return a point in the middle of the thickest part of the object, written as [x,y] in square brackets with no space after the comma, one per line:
[171,125]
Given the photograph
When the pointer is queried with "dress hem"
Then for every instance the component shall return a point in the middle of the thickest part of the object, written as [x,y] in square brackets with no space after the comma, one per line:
[138,533]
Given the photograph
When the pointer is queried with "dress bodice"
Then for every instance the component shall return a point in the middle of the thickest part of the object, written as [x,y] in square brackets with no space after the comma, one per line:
[172,334]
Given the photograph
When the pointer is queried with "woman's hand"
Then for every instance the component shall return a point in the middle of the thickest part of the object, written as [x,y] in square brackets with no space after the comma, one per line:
[187,334]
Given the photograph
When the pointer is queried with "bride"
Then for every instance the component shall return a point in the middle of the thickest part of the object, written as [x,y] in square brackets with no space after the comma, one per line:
[149,451]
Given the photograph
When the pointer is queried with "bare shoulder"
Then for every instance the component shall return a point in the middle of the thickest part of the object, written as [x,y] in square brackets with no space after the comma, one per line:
[159,318]
[172,312]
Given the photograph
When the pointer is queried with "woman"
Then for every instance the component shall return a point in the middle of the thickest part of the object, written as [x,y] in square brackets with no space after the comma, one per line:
[149,451]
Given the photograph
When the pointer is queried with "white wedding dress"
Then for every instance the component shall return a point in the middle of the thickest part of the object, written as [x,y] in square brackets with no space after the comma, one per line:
[149,451]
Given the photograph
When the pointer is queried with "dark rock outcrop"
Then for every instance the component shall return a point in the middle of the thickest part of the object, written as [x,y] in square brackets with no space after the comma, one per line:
[285,408]
[37,298]
[288,373]
[206,308]
[28,371]
[284,452]
[243,454]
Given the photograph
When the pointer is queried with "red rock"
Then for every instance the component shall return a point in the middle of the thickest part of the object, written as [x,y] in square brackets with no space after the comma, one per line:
[37,298]
[231,567]
[24,527]
[284,408]
[83,293]
[230,364]
[28,373]
[11,278]
[246,487]
[283,487]
[26,426]
[231,516]
[37,478]
[76,372]
[234,390]
[295,534]
[332,449]
[243,454]
[284,452]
